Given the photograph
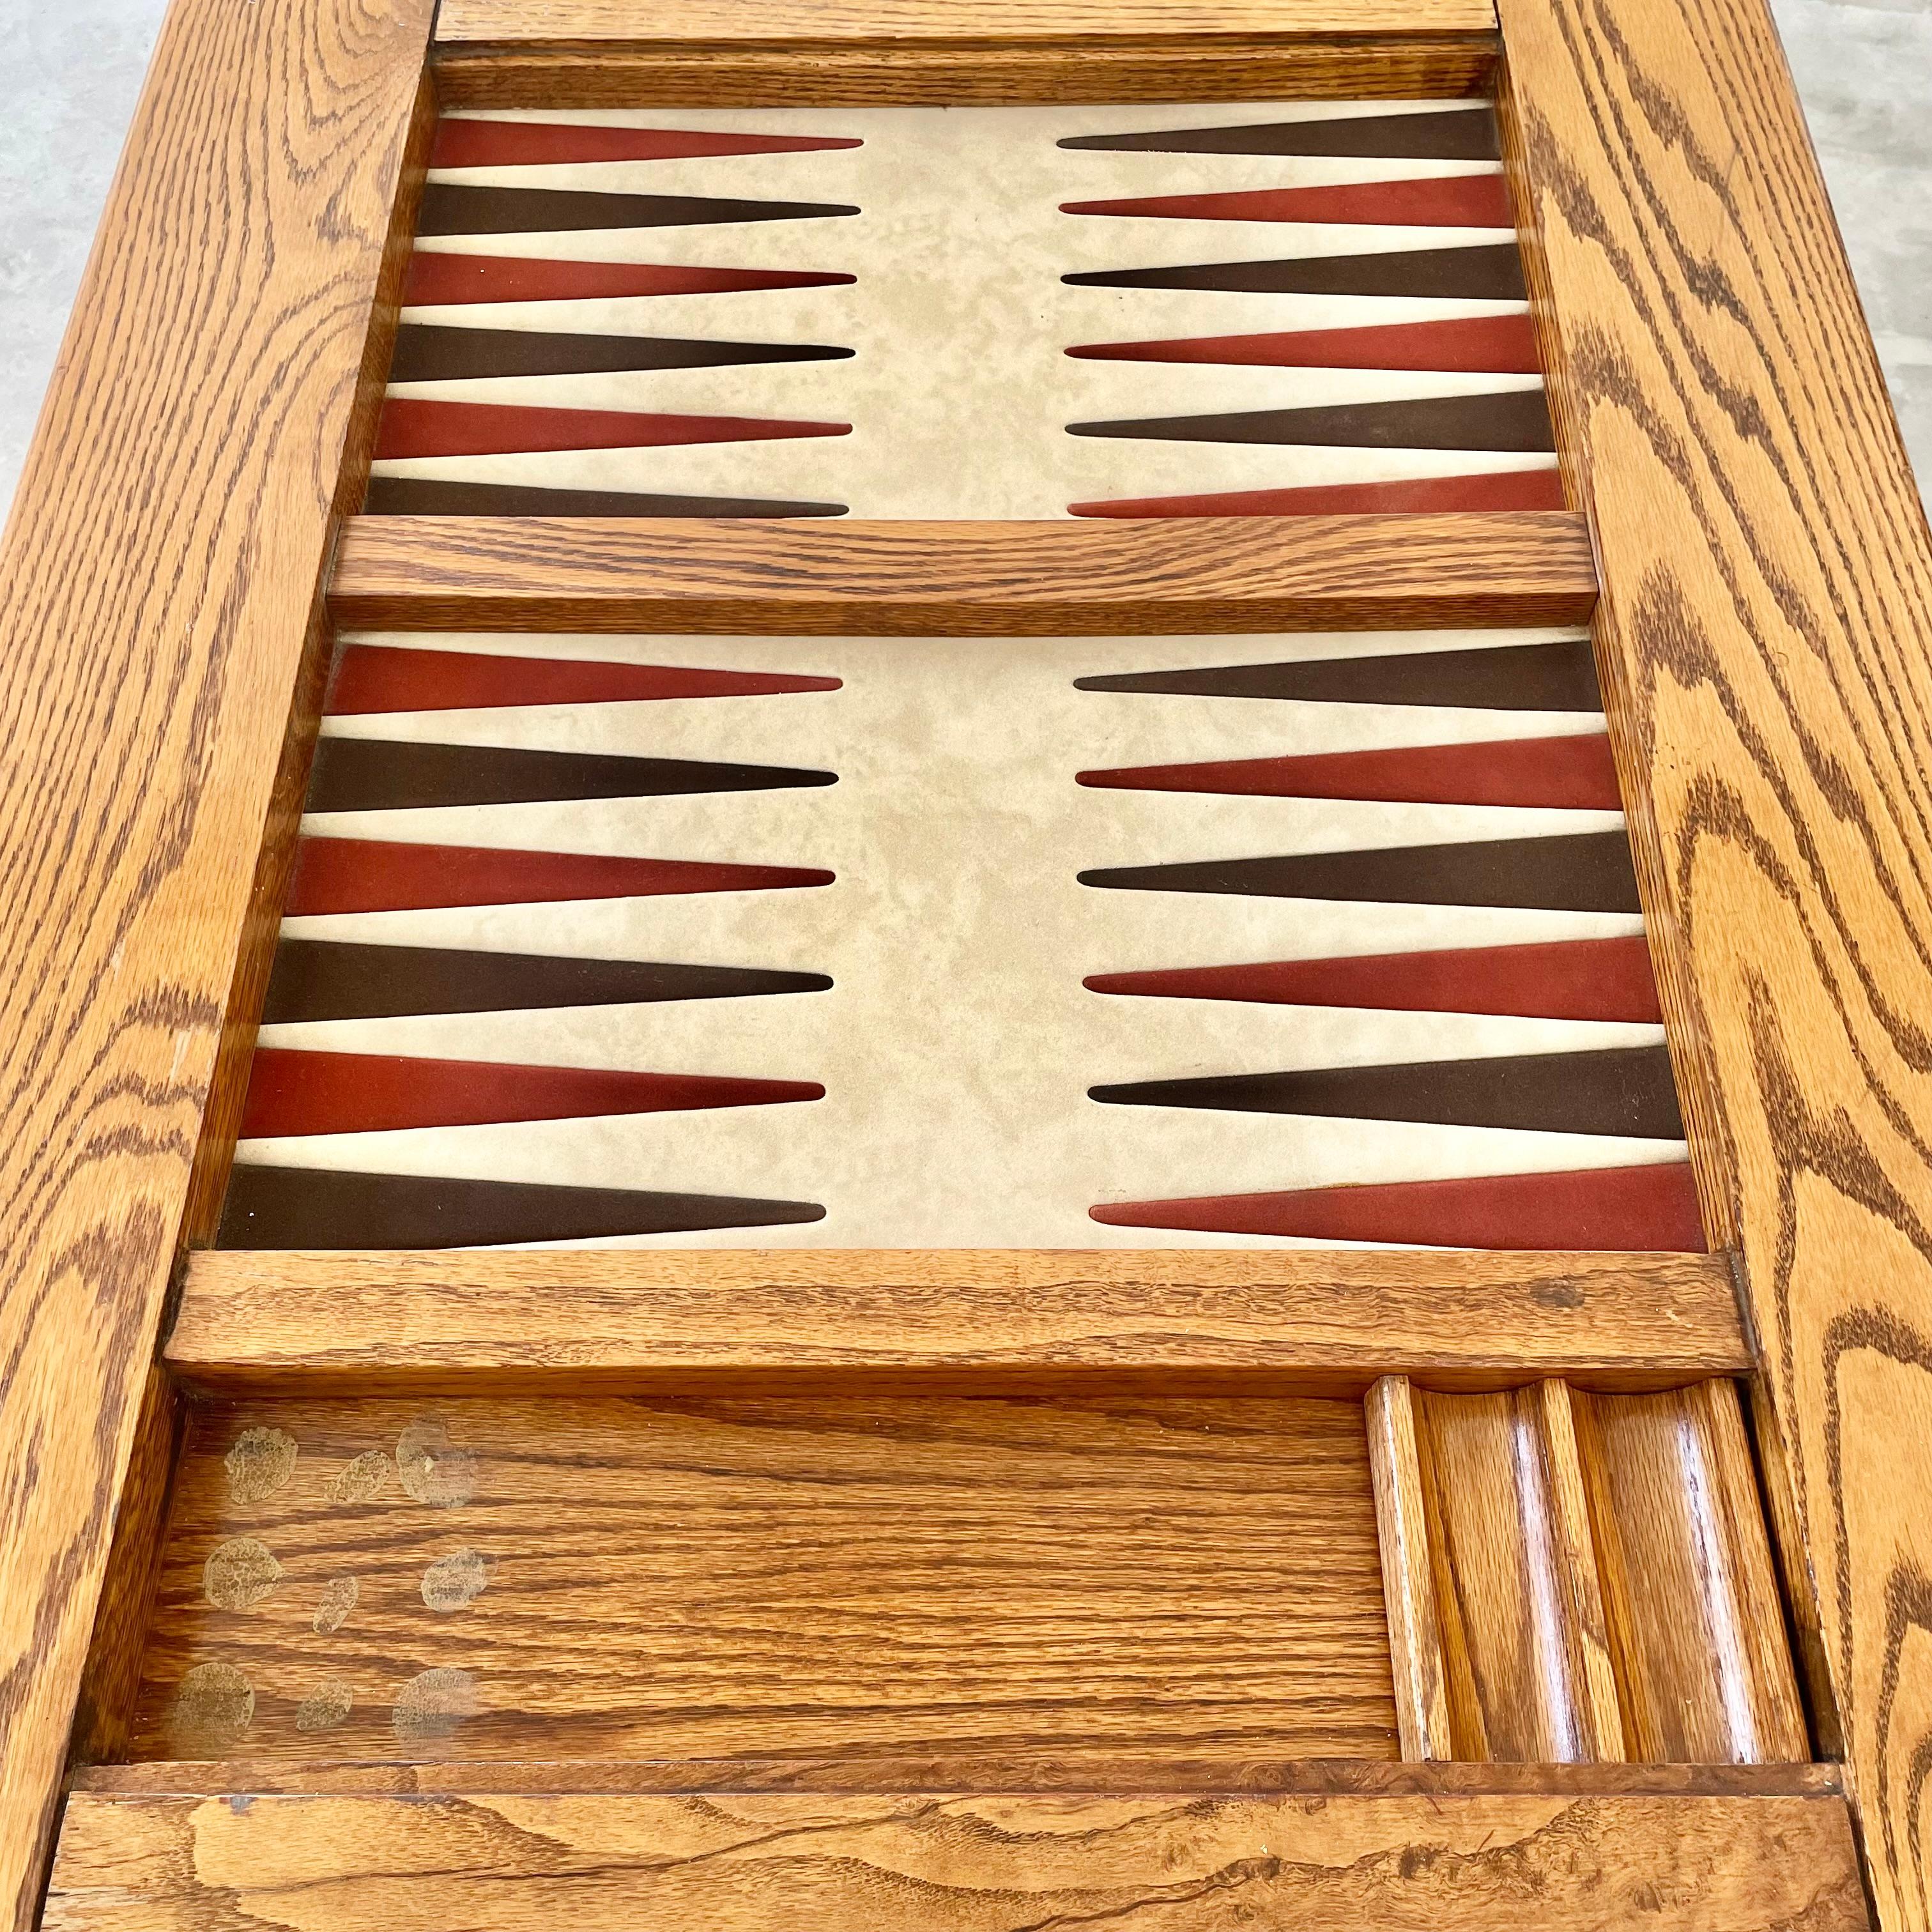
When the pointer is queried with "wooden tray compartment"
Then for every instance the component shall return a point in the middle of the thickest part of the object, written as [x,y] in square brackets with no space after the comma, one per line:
[714,1576]
[1596,1582]
[880,1569]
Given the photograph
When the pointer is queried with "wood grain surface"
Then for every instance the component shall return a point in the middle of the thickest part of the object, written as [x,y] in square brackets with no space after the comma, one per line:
[877,1863]
[1574,1537]
[1408,1585]
[1074,1769]
[161,574]
[1516,1584]
[1337,1319]
[1096,576]
[1602,1580]
[1695,1632]
[714,1576]
[1348,66]
[112,1674]
[843,25]
[1767,611]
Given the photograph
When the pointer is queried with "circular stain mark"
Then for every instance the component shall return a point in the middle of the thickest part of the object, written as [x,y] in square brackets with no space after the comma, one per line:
[239,1573]
[432,1704]
[339,1595]
[363,1480]
[325,1706]
[261,1462]
[431,1467]
[214,1704]
[452,1581]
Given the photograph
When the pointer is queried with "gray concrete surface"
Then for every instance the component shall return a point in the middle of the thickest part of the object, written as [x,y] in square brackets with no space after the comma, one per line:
[1863,67]
[75,68]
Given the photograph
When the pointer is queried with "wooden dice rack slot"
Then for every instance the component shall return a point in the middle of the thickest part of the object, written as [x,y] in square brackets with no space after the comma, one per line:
[899,1101]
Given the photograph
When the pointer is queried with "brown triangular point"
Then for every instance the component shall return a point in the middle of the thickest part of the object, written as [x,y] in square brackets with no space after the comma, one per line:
[333,979]
[293,1208]
[1625,1090]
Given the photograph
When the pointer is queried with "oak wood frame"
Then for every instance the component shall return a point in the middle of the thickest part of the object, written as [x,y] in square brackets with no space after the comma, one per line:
[1765,629]
[1768,576]
[1328,1323]
[1070,578]
[1082,1771]
[648,1862]
[619,75]
[610,53]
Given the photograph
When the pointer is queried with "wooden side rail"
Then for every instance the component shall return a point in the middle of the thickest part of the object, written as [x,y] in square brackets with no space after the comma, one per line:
[1223,574]
[726,1862]
[1767,620]
[1331,1321]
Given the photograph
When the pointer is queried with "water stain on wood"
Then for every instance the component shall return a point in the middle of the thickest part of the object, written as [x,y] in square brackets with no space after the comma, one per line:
[260,1463]
[214,1704]
[325,1706]
[362,1479]
[239,1573]
[432,1468]
[339,1595]
[452,1581]
[434,1702]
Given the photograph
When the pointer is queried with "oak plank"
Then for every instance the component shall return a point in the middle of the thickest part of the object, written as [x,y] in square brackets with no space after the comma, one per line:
[1510,1604]
[161,573]
[1352,66]
[1573,1537]
[1075,1769]
[1695,1628]
[1408,1587]
[1338,1319]
[1794,1577]
[1096,575]
[113,1670]
[716,1575]
[845,26]
[885,1864]
[1767,612]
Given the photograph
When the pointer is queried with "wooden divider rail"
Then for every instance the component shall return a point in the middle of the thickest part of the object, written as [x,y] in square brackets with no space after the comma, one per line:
[1519,1514]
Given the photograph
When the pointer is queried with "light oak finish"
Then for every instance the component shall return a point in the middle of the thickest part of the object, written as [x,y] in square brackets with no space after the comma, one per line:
[1573,1547]
[749,1863]
[113,1671]
[1702,1668]
[842,26]
[1516,1587]
[1408,1585]
[716,1575]
[1097,577]
[1768,609]
[1794,1575]
[1335,1320]
[1602,1578]
[162,574]
[1354,65]
[1076,1769]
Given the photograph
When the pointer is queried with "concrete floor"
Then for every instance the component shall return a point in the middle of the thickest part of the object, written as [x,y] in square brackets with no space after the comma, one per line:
[1863,67]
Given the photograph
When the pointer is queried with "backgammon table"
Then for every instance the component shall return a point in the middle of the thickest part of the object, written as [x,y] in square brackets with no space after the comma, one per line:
[967,967]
